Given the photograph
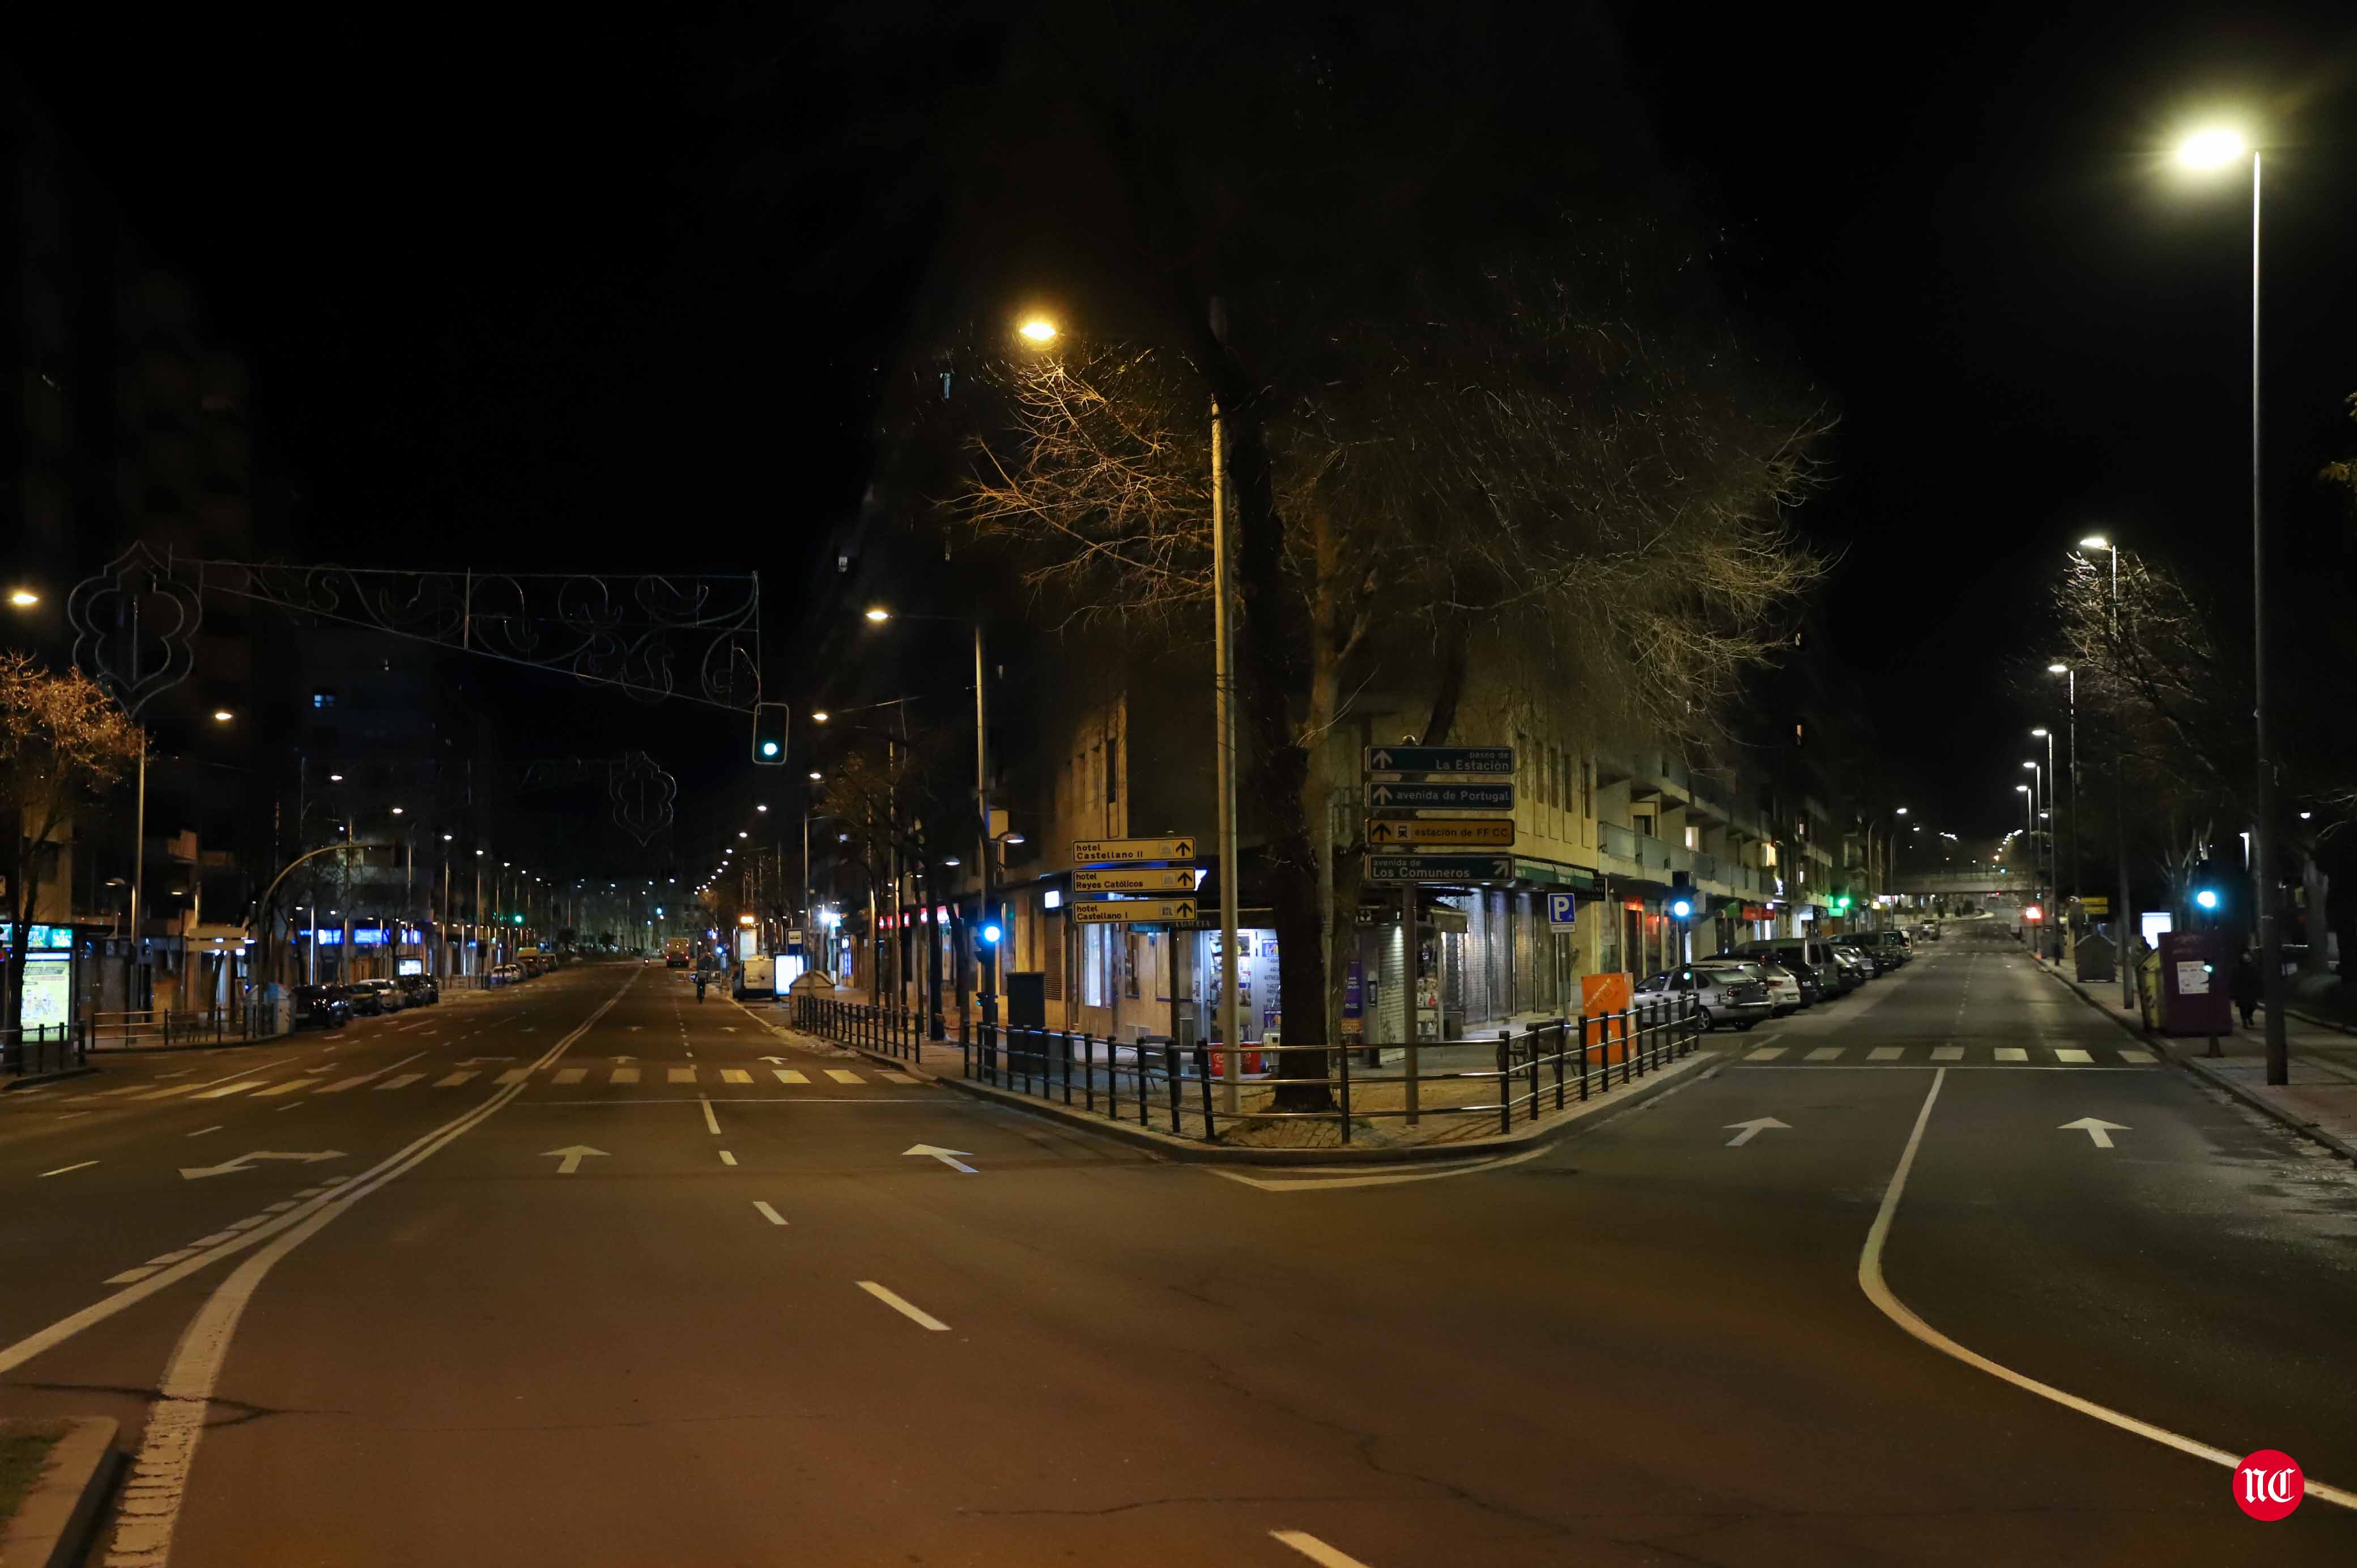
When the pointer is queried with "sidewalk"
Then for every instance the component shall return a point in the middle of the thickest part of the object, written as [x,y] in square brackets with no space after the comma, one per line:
[2319,1102]
[1446,1126]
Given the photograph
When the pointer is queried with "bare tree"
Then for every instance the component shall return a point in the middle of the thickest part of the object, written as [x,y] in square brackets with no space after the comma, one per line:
[1502,462]
[63,739]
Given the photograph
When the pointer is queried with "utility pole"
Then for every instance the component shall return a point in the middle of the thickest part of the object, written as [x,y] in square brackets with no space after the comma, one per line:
[2262,823]
[989,998]
[1225,718]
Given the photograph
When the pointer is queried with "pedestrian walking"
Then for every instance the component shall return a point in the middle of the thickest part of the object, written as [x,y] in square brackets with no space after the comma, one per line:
[2244,986]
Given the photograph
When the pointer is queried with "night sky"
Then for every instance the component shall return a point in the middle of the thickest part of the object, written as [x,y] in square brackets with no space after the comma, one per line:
[618,300]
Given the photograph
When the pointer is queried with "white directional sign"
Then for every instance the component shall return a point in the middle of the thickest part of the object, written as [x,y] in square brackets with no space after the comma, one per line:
[1496,833]
[947,1156]
[1139,879]
[246,1161]
[1130,851]
[1441,797]
[1119,911]
[1439,868]
[570,1157]
[1753,1128]
[1457,759]
[2096,1129]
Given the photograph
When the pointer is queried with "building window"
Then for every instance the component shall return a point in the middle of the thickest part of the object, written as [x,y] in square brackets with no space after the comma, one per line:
[1129,967]
[1694,837]
[1096,957]
[323,698]
[1586,787]
[1799,734]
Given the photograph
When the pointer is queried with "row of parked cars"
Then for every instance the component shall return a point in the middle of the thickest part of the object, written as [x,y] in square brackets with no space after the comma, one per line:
[333,1006]
[1765,980]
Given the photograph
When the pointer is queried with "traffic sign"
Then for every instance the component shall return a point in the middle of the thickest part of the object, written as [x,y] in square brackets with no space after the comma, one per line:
[1130,851]
[1141,880]
[1122,911]
[2095,903]
[1494,832]
[1563,911]
[1441,797]
[1440,868]
[1440,760]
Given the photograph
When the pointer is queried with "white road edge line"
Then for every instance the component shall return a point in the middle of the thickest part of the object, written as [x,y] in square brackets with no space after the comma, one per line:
[1870,1280]
[1317,1551]
[150,1506]
[914,1314]
[768,1213]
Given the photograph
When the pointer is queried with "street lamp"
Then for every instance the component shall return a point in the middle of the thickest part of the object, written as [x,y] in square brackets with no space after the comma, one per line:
[22,598]
[222,715]
[1038,330]
[2219,147]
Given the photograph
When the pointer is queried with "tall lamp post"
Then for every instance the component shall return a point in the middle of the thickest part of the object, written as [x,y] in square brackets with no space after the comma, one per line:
[2123,951]
[2072,677]
[2218,148]
[2053,855]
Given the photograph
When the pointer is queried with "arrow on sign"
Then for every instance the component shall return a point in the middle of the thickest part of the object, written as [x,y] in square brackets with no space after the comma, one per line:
[1753,1128]
[243,1161]
[2096,1129]
[572,1157]
[947,1156]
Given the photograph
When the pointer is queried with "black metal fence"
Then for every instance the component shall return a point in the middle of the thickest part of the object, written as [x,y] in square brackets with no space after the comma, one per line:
[154,1027]
[1512,1076]
[43,1048]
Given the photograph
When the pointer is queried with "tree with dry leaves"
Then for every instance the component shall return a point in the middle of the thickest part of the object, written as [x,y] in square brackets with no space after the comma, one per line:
[62,740]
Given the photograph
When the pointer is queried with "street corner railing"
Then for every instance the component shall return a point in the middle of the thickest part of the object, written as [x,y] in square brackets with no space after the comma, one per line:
[1512,1076]
[890,1029]
[147,1028]
[39,1050]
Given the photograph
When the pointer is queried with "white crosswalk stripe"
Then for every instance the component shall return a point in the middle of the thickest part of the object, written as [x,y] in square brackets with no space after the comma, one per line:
[843,1075]
[787,1075]
[455,1079]
[401,1080]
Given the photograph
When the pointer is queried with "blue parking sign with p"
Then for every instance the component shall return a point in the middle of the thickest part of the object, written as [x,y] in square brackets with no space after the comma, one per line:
[1563,911]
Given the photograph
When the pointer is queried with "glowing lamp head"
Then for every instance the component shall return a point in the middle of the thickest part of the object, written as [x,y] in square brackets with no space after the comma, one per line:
[2095,542]
[2213,147]
[2207,897]
[2058,669]
[1038,330]
[768,748]
[222,715]
[879,614]
[820,717]
[1681,909]
[990,933]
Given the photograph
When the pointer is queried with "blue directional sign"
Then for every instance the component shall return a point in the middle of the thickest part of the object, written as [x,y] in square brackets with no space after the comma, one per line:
[1563,911]
[1440,796]
[1440,760]
[1440,868]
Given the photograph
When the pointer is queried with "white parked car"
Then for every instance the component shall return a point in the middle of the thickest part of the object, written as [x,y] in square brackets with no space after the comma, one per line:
[1783,991]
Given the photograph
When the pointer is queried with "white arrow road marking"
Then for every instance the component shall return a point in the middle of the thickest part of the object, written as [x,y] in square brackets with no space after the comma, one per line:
[1877,1289]
[913,1313]
[1317,1551]
[773,1058]
[947,1156]
[243,1161]
[572,1156]
[2096,1128]
[1753,1128]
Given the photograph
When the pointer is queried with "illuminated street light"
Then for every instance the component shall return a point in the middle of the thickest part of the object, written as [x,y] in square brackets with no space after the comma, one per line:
[878,612]
[760,806]
[396,811]
[2058,669]
[22,598]
[222,715]
[819,716]
[2213,147]
[1038,329]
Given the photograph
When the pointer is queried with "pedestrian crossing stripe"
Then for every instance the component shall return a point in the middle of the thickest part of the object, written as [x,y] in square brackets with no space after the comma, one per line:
[621,1077]
[2069,1055]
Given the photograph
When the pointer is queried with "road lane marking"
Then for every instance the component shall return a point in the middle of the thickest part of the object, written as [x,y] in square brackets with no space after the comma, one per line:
[2065,1054]
[62,1169]
[1310,1183]
[289,1087]
[768,1213]
[1947,1053]
[679,1075]
[1317,1551]
[513,1075]
[2012,1054]
[1877,1290]
[787,1075]
[401,1080]
[342,1084]
[711,1123]
[454,1080]
[844,1075]
[907,1309]
[1886,1053]
[726,1158]
[1826,1053]
[624,1075]
[1766,1054]
[167,1093]
[571,1074]
[202,1131]
[734,1074]
[227,1089]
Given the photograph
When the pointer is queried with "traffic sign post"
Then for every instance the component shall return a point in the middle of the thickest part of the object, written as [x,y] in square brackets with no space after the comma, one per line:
[1440,796]
[1440,868]
[1495,832]
[1563,912]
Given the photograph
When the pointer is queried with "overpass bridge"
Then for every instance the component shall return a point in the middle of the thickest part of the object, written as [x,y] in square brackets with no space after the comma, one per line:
[1960,883]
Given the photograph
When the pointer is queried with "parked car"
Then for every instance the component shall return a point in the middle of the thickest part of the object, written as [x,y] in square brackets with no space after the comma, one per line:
[1893,946]
[1855,962]
[1784,992]
[1811,953]
[370,997]
[418,990]
[506,974]
[322,1007]
[1721,996]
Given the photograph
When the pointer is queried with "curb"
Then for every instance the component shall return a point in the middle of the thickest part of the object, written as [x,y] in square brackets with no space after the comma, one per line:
[2217,1080]
[53,1525]
[31,1080]
[1191,1151]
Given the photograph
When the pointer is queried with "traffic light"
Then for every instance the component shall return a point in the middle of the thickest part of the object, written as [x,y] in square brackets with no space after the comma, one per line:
[2207,897]
[770,734]
[1682,896]
[1841,901]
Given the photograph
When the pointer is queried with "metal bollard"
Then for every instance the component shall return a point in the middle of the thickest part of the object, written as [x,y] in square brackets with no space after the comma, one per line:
[1068,1067]
[1506,1089]
[1177,1089]
[1203,1081]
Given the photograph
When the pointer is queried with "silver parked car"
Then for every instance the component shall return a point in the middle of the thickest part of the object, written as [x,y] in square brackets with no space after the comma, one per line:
[1784,992]
[1721,996]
